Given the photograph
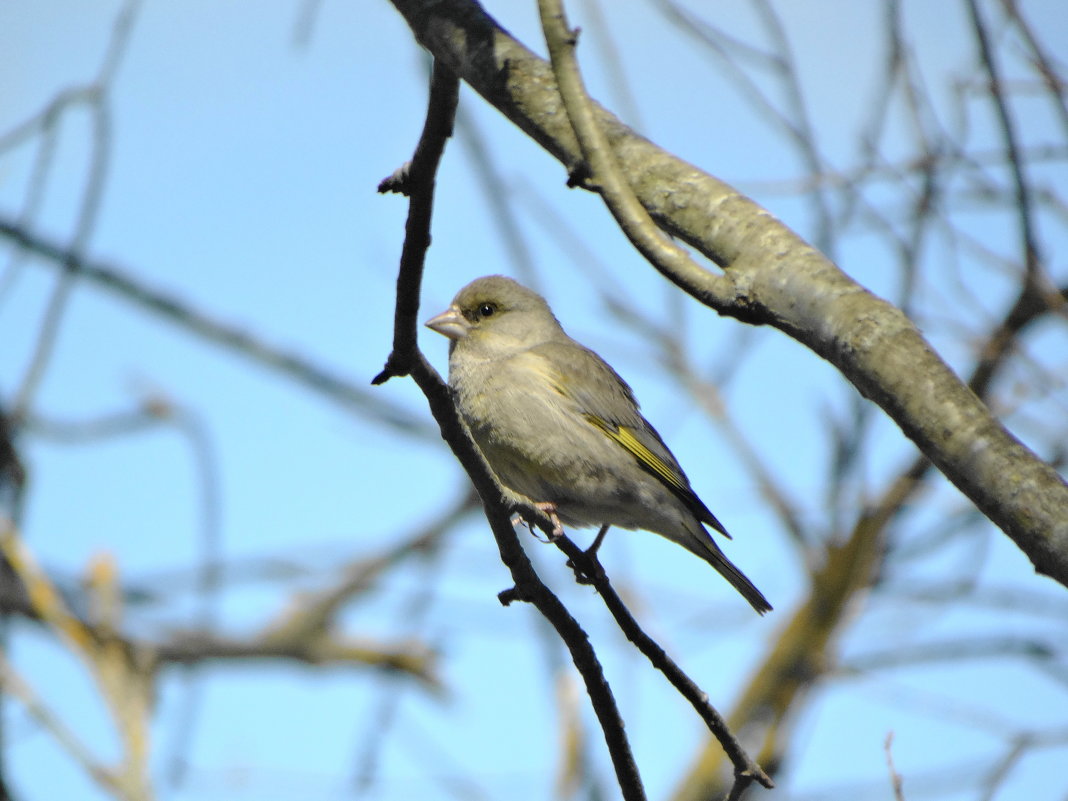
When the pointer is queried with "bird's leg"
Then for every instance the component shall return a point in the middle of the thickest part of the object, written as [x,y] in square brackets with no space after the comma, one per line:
[592,550]
[592,571]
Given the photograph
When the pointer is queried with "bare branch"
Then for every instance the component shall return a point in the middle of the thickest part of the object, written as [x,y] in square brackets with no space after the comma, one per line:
[12,683]
[1021,187]
[312,648]
[417,181]
[896,782]
[100,107]
[293,366]
[601,172]
[746,770]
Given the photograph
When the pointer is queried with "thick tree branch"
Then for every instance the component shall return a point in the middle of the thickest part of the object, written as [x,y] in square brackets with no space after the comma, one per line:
[777,279]
[789,672]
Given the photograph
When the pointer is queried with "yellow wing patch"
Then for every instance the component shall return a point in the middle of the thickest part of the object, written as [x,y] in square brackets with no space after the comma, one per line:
[650,460]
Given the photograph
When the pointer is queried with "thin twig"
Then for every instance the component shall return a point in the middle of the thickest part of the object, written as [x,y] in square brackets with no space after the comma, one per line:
[12,683]
[589,569]
[416,180]
[797,121]
[500,193]
[1021,186]
[672,261]
[1043,63]
[896,782]
[601,171]
[290,364]
[100,108]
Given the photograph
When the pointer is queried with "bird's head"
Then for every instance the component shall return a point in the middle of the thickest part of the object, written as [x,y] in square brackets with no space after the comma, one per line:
[496,315]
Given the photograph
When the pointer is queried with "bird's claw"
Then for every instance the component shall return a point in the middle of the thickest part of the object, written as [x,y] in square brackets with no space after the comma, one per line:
[548,509]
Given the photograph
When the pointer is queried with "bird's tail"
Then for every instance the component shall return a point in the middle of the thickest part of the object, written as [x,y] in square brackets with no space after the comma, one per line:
[705,547]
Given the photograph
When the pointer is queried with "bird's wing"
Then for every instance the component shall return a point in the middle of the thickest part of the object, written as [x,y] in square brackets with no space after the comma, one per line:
[608,403]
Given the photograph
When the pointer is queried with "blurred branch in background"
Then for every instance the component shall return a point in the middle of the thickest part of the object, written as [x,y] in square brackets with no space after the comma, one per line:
[292,366]
[120,669]
[126,668]
[95,97]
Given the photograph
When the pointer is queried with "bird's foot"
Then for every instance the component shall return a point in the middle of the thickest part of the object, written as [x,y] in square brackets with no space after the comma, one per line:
[548,508]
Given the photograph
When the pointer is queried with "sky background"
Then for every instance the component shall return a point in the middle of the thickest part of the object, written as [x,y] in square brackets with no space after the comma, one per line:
[240,178]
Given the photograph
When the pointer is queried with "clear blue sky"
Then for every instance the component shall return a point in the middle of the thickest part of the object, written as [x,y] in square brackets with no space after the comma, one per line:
[241,179]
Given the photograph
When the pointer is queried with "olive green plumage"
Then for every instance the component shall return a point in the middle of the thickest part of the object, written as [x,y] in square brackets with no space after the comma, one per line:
[560,427]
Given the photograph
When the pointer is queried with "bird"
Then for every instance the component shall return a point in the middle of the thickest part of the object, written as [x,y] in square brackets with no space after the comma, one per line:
[562,431]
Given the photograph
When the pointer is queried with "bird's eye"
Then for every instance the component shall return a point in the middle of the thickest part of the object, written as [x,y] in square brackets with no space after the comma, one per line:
[486,310]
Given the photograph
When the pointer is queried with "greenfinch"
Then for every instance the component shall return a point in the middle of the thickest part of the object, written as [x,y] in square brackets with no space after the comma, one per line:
[562,430]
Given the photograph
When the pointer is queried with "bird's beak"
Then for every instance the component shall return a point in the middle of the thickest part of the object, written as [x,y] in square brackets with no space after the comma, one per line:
[450,323]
